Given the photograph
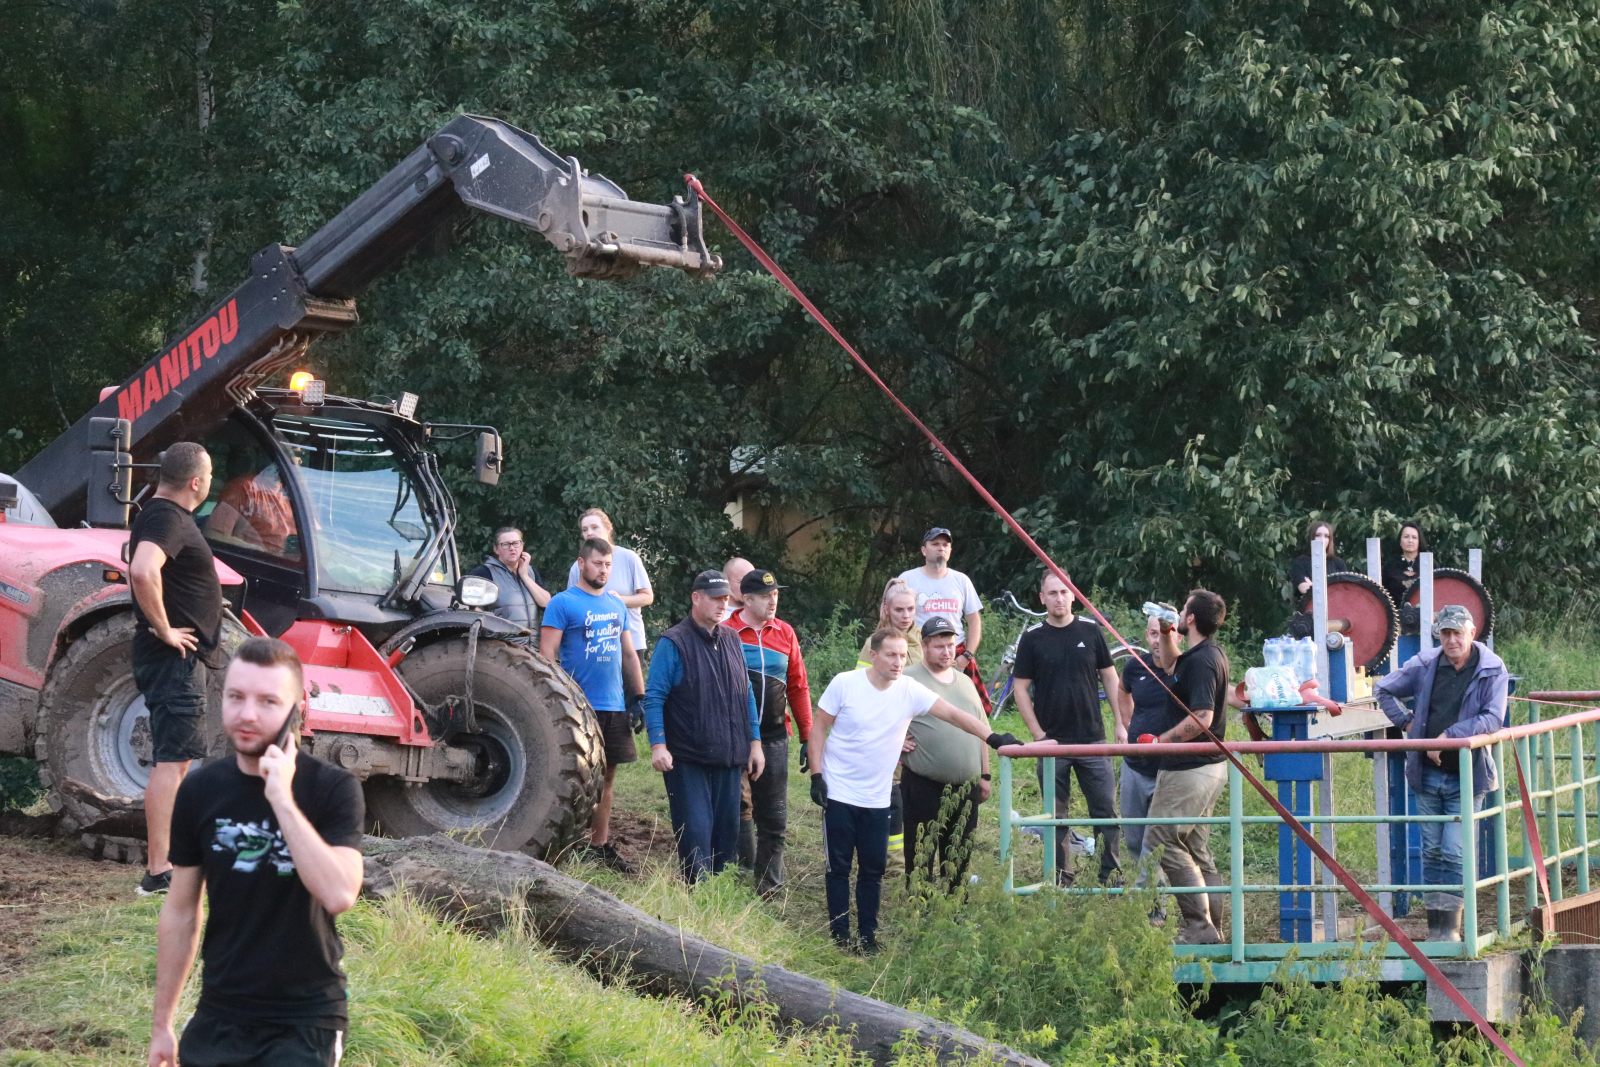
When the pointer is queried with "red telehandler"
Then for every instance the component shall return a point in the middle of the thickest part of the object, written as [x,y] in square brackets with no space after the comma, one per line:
[331,525]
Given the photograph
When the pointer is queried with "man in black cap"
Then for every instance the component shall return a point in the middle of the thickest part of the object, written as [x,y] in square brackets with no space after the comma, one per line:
[704,730]
[945,776]
[778,676]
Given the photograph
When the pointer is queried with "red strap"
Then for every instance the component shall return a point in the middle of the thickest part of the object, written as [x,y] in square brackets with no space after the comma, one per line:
[1362,897]
[1530,823]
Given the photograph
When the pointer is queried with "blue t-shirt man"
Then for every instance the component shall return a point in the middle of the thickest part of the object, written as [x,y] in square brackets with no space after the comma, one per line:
[591,626]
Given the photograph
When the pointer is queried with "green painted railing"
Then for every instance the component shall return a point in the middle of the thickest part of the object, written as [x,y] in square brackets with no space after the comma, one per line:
[1561,759]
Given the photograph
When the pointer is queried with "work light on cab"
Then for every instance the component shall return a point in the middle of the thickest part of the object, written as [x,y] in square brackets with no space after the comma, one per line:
[313,390]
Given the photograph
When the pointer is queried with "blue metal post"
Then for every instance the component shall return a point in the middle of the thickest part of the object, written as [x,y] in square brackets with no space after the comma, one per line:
[1294,772]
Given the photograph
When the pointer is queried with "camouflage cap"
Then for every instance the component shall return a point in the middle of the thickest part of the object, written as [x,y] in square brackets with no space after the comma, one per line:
[1453,617]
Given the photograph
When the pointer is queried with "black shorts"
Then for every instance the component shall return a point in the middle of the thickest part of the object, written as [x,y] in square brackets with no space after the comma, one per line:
[174,689]
[617,733]
[212,1040]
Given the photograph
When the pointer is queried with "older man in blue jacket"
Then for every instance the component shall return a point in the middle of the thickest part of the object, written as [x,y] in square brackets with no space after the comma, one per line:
[1458,689]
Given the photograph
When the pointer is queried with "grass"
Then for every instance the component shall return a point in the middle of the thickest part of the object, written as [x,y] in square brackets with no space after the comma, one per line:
[1073,980]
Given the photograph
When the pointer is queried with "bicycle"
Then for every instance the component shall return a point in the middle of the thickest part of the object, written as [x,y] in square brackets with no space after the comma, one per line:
[1001,682]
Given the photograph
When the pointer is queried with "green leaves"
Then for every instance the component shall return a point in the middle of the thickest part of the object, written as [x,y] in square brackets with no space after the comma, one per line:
[1168,281]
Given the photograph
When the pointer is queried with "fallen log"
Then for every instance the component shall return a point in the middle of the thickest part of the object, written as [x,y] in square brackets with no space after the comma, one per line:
[484,889]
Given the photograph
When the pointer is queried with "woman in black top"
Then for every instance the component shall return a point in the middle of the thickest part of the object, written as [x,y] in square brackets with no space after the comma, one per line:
[1300,569]
[1400,573]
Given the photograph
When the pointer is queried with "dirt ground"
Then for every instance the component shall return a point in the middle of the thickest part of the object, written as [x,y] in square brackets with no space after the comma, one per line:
[44,878]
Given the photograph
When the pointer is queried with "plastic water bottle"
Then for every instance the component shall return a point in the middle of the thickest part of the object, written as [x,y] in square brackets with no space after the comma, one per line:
[1305,659]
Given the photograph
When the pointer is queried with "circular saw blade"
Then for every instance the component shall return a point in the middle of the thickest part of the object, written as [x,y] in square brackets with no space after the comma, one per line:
[1453,586]
[1363,611]
[1371,622]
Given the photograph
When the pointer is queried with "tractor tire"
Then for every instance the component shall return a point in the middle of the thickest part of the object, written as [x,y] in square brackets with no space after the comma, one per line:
[538,739]
[93,734]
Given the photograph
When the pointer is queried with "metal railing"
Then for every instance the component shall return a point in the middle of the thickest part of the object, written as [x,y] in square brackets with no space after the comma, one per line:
[1561,760]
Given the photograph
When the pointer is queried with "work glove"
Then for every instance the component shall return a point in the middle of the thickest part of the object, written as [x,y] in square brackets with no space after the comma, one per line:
[819,790]
[636,712]
[805,757]
[996,740]
[1147,739]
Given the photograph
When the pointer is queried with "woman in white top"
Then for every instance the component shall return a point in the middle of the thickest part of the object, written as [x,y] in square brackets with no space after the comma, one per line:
[628,578]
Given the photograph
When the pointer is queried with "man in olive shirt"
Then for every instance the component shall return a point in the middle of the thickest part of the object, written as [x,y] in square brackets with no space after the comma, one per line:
[945,775]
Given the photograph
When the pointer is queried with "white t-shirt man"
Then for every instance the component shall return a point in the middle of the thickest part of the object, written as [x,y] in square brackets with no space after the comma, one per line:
[869,729]
[953,596]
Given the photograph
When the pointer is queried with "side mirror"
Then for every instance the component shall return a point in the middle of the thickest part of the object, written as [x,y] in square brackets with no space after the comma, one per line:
[110,486]
[491,459]
[474,592]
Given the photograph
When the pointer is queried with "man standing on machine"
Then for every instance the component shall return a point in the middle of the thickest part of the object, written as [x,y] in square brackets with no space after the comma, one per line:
[177,606]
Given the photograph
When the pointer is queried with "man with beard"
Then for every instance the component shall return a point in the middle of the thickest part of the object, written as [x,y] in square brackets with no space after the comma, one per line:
[586,631]
[273,838]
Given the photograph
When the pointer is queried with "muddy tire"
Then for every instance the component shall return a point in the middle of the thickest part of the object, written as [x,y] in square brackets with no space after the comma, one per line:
[93,738]
[538,744]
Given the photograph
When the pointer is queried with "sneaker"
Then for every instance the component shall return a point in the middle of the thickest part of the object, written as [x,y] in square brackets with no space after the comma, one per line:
[608,855]
[155,884]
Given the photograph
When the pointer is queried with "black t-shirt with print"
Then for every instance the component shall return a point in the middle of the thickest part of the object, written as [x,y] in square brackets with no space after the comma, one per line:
[1152,708]
[1200,680]
[1063,662]
[271,952]
[190,591]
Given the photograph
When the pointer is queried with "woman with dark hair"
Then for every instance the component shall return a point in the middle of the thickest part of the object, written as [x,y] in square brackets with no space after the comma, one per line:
[1401,572]
[1300,569]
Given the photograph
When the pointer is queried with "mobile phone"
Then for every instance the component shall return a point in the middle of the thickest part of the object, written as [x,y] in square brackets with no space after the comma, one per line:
[289,725]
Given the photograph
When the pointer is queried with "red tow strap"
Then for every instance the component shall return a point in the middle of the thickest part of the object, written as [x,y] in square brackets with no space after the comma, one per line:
[1362,897]
[1530,822]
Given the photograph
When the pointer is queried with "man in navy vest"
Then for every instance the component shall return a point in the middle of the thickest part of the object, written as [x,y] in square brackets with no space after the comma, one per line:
[704,732]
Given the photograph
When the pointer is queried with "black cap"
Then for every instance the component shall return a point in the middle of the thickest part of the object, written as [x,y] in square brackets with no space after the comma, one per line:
[711,583]
[938,626]
[936,531]
[759,582]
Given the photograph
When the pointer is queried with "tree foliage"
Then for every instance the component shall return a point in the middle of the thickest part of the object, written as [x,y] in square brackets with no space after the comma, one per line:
[1169,277]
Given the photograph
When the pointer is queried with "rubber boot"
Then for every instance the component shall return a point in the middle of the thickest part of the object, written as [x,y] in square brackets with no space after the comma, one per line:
[1450,924]
[747,846]
[1219,914]
[1197,926]
[1435,924]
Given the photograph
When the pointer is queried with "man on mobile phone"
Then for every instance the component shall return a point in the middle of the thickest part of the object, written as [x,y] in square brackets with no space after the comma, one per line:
[273,838]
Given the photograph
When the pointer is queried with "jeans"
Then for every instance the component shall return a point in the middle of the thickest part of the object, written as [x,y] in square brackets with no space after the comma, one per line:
[940,820]
[1099,787]
[769,799]
[1441,841]
[1136,790]
[853,834]
[704,803]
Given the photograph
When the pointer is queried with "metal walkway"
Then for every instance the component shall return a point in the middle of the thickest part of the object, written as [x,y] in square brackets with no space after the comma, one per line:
[1318,928]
